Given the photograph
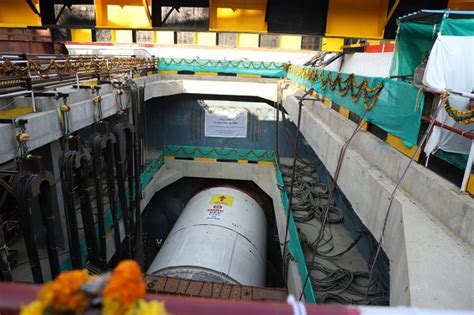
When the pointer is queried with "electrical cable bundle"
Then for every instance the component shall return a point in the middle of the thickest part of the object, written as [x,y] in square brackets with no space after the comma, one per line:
[339,285]
[313,200]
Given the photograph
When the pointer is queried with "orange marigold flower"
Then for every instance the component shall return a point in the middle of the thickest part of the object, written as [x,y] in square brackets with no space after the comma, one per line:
[64,293]
[126,283]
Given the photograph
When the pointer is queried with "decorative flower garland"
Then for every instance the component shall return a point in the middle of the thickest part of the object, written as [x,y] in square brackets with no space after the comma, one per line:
[74,292]
[370,95]
[463,117]
[69,66]
[223,63]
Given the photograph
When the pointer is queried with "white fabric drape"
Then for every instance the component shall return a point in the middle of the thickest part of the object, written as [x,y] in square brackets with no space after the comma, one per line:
[451,67]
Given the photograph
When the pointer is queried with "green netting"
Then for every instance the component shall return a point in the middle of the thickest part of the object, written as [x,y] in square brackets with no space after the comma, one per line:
[397,110]
[414,41]
[457,27]
[267,69]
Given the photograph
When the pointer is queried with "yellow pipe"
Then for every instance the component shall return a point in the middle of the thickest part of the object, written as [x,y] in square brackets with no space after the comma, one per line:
[147,11]
[389,16]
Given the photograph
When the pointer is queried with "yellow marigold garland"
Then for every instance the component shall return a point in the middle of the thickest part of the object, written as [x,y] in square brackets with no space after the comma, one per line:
[463,117]
[125,286]
[344,86]
[123,294]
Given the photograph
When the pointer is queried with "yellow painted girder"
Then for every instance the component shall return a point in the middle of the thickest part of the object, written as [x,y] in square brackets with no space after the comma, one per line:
[360,19]
[17,13]
[238,15]
[129,14]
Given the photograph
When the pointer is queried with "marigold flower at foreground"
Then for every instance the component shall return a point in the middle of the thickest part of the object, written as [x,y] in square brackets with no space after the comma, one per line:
[126,283]
[143,307]
[34,308]
[64,293]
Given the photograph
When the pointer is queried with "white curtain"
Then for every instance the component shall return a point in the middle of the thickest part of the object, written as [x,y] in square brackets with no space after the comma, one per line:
[451,67]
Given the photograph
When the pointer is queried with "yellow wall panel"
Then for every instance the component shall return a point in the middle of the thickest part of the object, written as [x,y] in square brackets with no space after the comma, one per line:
[398,144]
[470,185]
[122,36]
[247,40]
[461,4]
[16,13]
[332,44]
[361,18]
[81,35]
[206,39]
[290,42]
[344,112]
[163,37]
[237,15]
[122,14]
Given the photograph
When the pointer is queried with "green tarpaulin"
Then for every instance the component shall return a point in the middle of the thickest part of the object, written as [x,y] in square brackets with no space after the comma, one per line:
[266,69]
[416,38]
[398,109]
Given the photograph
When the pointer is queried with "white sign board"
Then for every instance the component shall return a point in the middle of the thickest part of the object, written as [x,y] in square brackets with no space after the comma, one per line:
[225,124]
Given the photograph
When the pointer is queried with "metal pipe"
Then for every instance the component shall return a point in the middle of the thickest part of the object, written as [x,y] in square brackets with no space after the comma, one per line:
[467,172]
[13,94]
[465,134]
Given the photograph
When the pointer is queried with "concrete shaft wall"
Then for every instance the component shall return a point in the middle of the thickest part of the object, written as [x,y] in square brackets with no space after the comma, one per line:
[429,232]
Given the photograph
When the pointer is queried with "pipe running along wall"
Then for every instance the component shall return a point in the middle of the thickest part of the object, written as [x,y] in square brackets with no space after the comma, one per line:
[219,237]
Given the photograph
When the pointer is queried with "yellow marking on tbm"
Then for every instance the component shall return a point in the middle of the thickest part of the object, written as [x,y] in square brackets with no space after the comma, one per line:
[244,75]
[203,159]
[242,161]
[167,72]
[265,162]
[169,158]
[221,199]
[205,73]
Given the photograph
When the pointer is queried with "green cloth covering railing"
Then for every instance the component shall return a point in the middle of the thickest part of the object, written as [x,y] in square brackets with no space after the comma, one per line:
[266,69]
[233,154]
[397,109]
[416,38]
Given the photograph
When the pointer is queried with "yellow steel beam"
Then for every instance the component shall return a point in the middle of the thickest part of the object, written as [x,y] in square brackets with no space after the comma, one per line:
[360,19]
[332,44]
[81,35]
[461,4]
[127,14]
[238,15]
[16,13]
[389,16]
[147,10]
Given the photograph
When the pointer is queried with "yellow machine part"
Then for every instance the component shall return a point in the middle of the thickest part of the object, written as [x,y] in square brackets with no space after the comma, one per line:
[128,14]
[332,44]
[292,42]
[361,18]
[461,4]
[81,35]
[15,13]
[238,15]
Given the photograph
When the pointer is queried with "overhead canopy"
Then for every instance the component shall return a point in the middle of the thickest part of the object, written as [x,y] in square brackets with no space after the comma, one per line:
[418,32]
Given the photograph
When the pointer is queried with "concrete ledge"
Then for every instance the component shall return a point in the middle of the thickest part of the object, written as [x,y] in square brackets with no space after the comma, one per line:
[429,261]
[43,127]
